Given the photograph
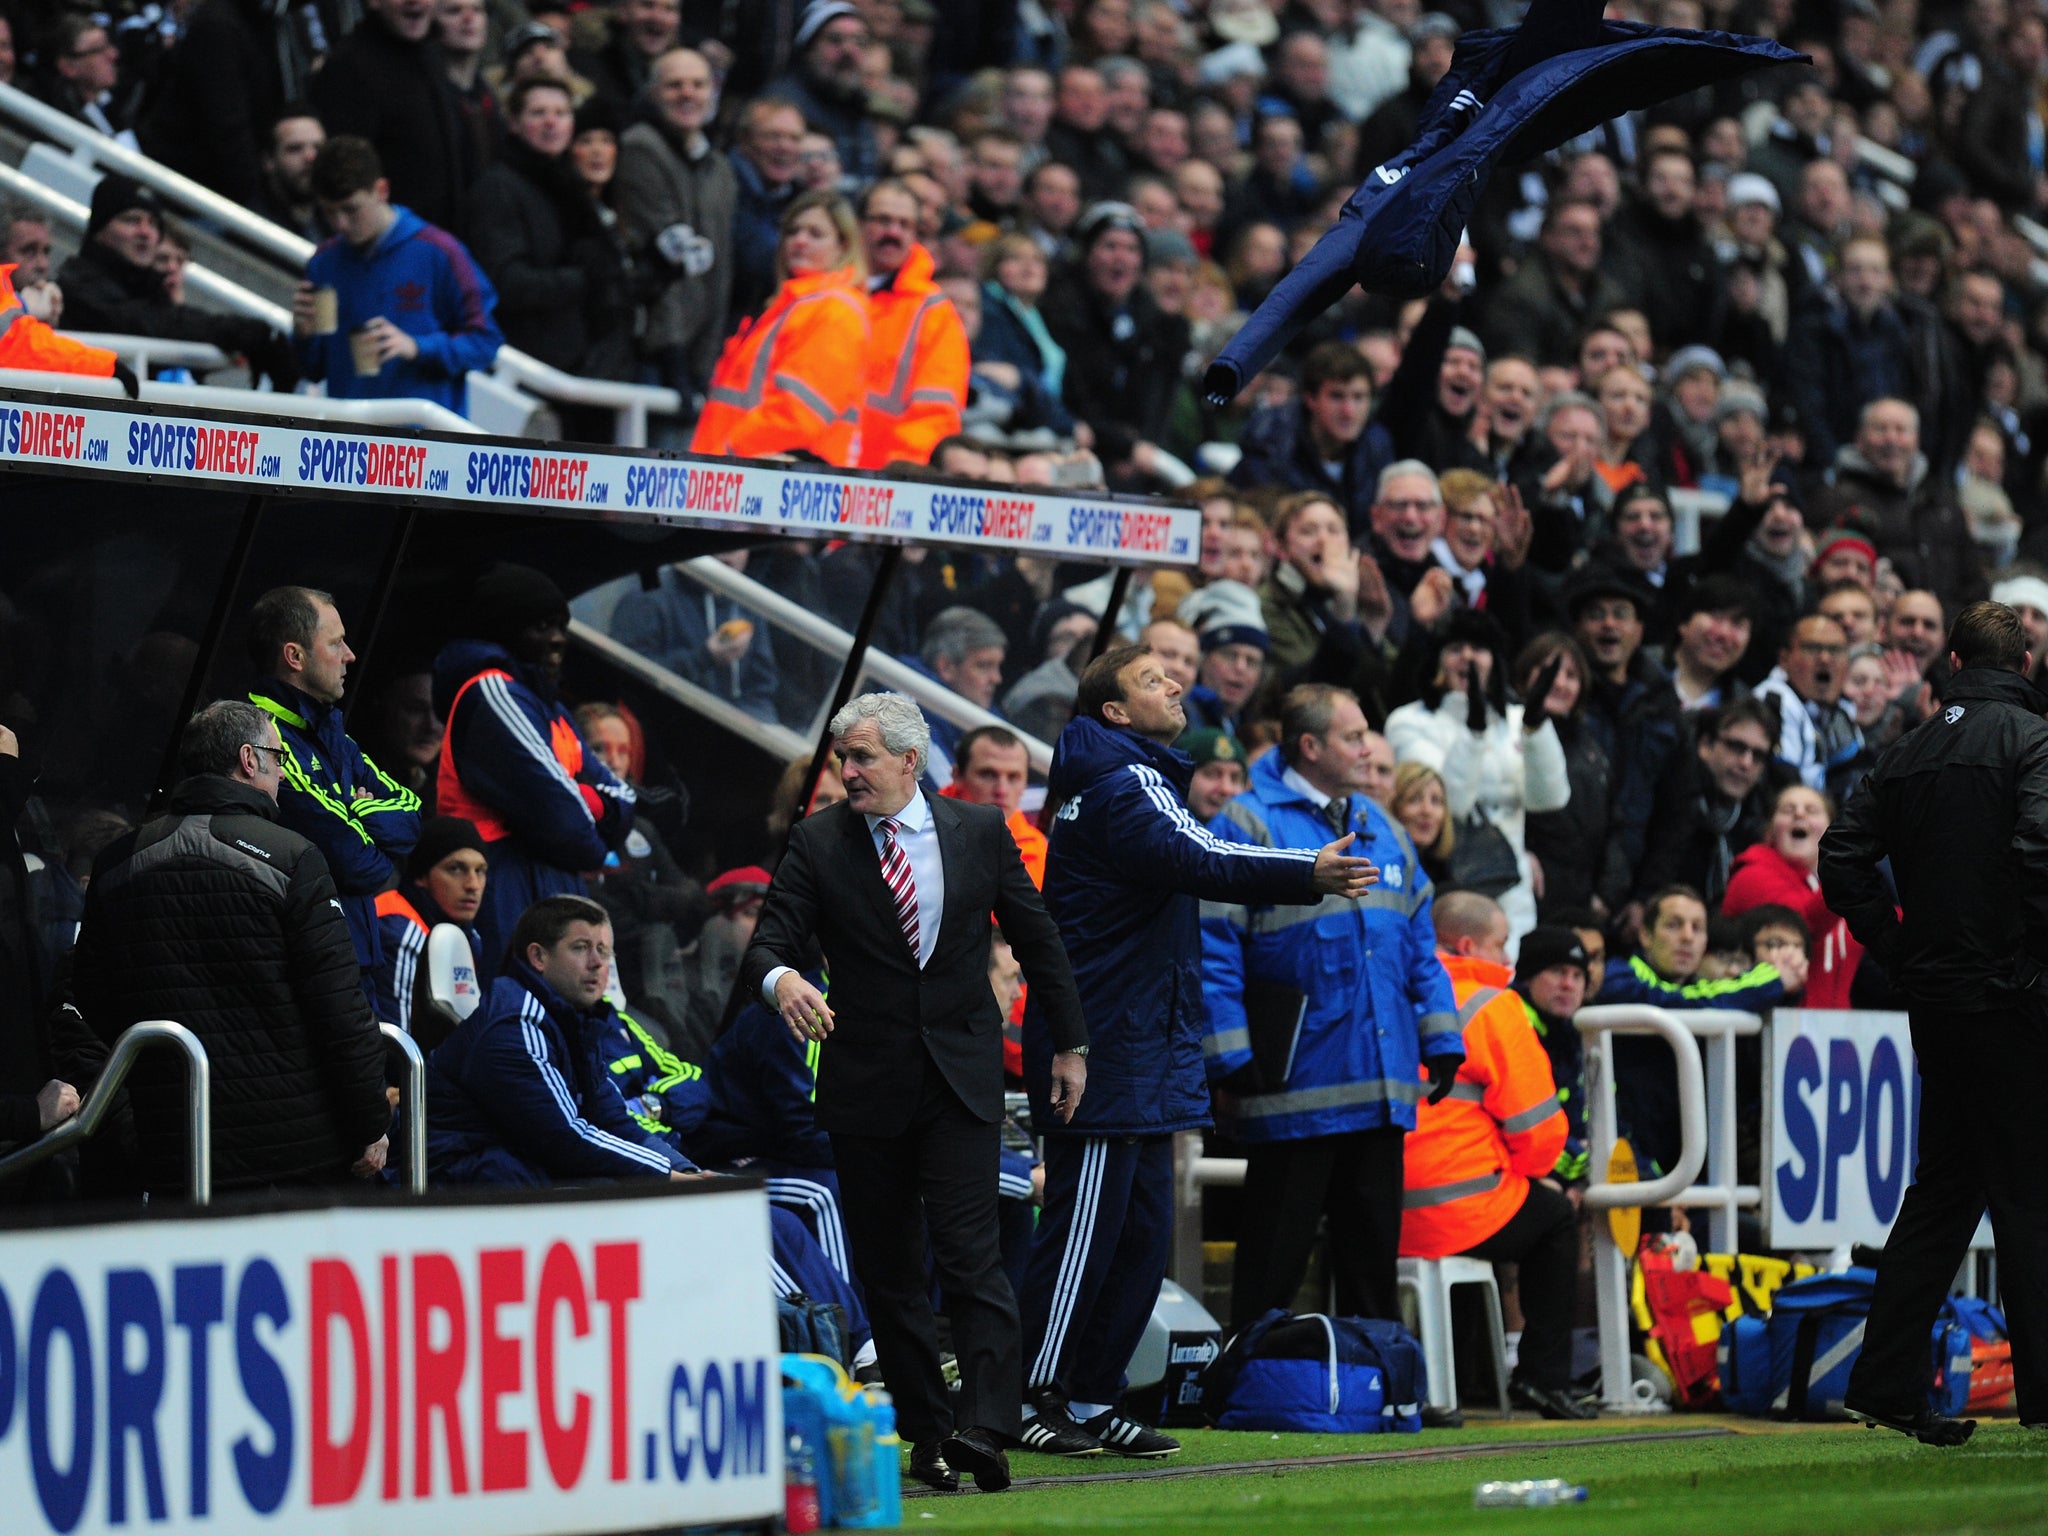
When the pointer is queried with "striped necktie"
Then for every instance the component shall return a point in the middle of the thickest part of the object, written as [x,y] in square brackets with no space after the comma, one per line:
[896,872]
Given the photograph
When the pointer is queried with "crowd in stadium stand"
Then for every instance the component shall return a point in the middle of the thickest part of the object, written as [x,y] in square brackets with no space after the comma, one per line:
[1000,243]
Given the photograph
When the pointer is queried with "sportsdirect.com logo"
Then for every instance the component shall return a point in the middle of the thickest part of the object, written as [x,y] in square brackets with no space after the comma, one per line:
[175,1393]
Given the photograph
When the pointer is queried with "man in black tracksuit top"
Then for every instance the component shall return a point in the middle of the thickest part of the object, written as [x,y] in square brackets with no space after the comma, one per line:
[1960,805]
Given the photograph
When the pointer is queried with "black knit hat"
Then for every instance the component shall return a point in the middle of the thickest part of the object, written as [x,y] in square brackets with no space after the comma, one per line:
[1546,946]
[507,598]
[117,194]
[439,837]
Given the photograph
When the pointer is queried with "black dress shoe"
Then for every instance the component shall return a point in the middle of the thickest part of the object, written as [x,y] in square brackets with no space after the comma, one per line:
[1551,1402]
[929,1467]
[1434,1417]
[975,1450]
[1923,1424]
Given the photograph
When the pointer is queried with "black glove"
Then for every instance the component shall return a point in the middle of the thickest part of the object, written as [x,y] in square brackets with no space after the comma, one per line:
[1443,1071]
[1244,1082]
[1533,712]
[1475,702]
[276,360]
[125,376]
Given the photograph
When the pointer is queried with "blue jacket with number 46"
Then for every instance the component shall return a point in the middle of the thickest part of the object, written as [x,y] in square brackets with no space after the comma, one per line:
[1378,999]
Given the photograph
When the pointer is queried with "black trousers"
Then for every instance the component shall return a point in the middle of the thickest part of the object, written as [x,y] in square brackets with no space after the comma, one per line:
[932,1191]
[1983,1141]
[1543,1238]
[1355,1180]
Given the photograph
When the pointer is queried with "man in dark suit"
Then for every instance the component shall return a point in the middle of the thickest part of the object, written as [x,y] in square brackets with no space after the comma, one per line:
[898,889]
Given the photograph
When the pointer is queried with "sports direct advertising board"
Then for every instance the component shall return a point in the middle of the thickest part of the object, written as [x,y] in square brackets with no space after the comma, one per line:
[555,1365]
[259,454]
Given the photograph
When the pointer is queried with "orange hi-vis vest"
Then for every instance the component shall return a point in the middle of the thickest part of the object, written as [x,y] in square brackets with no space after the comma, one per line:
[794,376]
[1469,1160]
[451,798]
[917,368]
[28,343]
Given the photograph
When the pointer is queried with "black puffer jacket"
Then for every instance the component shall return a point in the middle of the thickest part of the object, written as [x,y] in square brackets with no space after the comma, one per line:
[217,917]
[1960,806]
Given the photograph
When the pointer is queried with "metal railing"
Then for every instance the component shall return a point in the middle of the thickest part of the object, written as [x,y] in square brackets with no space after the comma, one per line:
[935,698]
[778,741]
[630,404]
[120,1061]
[413,1103]
[402,412]
[143,353]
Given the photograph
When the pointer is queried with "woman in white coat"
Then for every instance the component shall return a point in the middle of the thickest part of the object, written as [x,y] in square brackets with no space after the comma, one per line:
[1495,758]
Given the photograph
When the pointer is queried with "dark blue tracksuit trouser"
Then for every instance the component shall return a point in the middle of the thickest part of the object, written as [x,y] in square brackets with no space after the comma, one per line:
[1104,1238]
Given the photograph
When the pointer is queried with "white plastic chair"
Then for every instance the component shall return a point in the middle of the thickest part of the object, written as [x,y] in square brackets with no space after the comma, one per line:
[1429,1283]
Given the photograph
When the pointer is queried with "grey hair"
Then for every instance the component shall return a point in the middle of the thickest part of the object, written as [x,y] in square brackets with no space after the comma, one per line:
[215,736]
[1863,416]
[1402,467]
[896,716]
[953,632]
[1570,400]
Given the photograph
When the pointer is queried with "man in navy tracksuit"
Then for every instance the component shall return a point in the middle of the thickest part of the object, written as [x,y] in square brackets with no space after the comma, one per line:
[1127,868]
[363,821]
[444,882]
[524,1092]
[512,760]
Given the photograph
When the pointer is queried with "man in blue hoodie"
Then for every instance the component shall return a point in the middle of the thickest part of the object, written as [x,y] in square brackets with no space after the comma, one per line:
[511,758]
[414,311]
[1127,869]
[363,821]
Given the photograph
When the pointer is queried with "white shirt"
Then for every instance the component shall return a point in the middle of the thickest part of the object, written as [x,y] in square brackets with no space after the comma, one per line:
[918,837]
[1301,786]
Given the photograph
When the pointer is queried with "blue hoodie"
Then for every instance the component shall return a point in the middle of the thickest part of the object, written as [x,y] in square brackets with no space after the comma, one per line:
[546,823]
[1126,871]
[425,282]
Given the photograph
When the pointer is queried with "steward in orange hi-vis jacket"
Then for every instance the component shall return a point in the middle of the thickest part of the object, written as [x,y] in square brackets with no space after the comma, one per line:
[26,342]
[917,367]
[1477,1163]
[793,377]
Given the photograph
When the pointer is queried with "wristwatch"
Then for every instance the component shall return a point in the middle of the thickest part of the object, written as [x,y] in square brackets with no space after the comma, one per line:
[1076,1050]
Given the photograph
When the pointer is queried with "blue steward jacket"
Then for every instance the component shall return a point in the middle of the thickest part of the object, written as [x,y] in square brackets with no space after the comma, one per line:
[1126,870]
[512,762]
[425,282]
[363,821]
[1378,998]
[526,1075]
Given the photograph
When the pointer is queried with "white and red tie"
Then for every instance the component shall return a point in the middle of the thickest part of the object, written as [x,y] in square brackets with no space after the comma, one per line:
[896,871]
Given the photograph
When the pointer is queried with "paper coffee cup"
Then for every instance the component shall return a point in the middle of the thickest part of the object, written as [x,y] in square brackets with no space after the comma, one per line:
[326,311]
[362,346]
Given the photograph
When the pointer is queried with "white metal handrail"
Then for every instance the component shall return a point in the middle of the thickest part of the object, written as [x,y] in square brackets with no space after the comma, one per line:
[142,353]
[1610,1264]
[413,1104]
[401,412]
[835,642]
[631,404]
[779,741]
[120,1061]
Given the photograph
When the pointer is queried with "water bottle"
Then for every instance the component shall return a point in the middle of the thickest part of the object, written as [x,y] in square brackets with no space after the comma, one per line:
[1537,1493]
[852,1448]
[800,1513]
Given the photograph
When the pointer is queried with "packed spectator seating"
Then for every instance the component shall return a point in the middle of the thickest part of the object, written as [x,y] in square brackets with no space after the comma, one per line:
[1637,541]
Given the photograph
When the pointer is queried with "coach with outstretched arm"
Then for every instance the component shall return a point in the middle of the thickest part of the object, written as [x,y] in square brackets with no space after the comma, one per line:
[899,888]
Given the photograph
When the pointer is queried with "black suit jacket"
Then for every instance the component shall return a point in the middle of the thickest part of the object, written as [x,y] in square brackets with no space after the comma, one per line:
[887,1014]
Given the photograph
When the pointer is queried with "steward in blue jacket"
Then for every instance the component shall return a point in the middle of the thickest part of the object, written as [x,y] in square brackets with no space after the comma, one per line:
[512,760]
[1378,1001]
[1321,1019]
[362,820]
[1126,869]
[396,274]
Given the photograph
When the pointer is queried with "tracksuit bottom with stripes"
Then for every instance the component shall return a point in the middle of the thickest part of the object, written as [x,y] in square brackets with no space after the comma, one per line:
[1104,1238]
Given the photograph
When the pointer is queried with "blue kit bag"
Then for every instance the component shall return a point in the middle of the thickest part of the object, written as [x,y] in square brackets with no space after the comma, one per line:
[1331,1375]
